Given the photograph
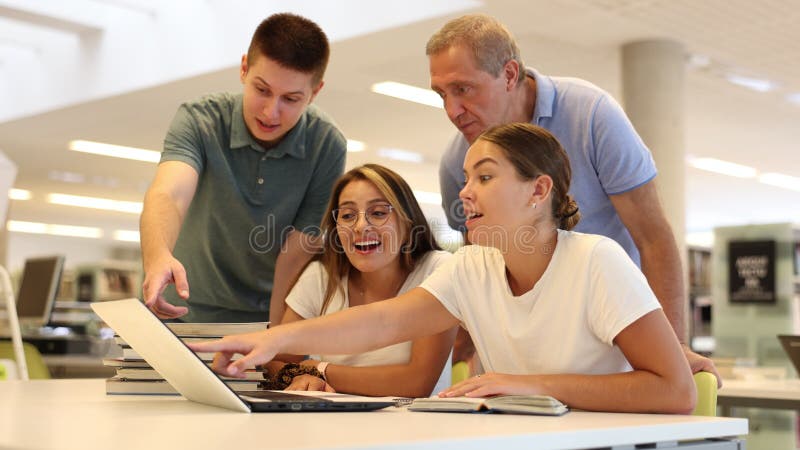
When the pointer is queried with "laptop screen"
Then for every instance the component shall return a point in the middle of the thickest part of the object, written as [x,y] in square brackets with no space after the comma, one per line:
[38,289]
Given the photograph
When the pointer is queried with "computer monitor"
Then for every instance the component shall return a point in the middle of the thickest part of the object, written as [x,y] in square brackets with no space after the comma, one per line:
[38,288]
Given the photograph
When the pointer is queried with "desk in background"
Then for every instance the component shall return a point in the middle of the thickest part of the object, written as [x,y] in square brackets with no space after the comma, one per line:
[77,366]
[65,360]
[769,394]
[764,402]
[68,414]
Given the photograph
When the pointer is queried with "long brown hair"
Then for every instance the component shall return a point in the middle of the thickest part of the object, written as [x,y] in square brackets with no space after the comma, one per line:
[418,239]
[534,151]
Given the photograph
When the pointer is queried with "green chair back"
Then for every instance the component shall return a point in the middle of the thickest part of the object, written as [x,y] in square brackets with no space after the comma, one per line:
[460,372]
[706,384]
[37,369]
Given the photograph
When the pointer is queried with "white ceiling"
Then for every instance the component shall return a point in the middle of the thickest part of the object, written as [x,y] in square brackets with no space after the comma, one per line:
[559,37]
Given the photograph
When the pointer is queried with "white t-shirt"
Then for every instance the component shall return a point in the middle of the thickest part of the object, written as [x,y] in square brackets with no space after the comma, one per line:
[306,300]
[590,291]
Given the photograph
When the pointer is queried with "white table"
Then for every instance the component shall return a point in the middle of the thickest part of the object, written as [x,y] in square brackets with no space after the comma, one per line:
[773,394]
[70,414]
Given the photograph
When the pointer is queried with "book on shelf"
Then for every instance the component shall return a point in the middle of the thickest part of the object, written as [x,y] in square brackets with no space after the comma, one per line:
[117,386]
[512,404]
[148,373]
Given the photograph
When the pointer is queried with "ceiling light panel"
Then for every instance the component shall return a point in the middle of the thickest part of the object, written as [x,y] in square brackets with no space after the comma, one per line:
[354,146]
[19,194]
[126,235]
[400,155]
[722,167]
[780,180]
[53,229]
[66,177]
[95,203]
[409,93]
[115,151]
[755,84]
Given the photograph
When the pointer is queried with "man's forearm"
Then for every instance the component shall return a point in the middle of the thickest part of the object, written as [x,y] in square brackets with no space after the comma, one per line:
[640,211]
[661,264]
[159,226]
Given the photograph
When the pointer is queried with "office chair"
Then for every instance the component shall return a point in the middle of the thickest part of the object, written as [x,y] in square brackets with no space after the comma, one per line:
[29,361]
[13,321]
[34,363]
[706,384]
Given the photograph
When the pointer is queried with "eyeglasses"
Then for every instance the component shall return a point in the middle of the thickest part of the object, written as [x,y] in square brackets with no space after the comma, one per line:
[376,215]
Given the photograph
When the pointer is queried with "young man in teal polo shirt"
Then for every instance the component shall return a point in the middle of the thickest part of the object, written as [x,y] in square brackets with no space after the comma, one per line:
[243,181]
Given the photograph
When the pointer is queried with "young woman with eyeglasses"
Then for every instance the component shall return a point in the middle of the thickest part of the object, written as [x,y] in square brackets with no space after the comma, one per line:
[551,311]
[377,245]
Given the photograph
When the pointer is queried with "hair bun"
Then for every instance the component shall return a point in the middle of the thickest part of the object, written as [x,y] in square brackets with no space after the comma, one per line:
[569,215]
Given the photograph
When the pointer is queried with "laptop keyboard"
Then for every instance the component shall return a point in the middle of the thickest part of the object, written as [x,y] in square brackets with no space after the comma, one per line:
[282,396]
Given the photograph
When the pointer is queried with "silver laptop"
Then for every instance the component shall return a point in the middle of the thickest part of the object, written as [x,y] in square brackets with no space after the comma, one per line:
[190,376]
[791,345]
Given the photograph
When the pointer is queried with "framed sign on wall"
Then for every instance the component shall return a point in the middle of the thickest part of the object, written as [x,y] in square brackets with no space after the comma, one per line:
[751,271]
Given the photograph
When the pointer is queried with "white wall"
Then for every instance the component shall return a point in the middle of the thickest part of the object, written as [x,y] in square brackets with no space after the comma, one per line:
[77,250]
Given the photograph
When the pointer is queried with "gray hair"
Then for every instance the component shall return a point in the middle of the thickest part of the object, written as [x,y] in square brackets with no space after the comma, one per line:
[490,41]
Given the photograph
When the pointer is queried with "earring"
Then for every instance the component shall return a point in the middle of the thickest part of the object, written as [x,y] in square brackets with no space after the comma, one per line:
[533,205]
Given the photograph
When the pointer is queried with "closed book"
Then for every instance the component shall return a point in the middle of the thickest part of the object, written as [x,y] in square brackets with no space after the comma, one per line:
[147,373]
[512,404]
[212,330]
[119,362]
[187,339]
[123,386]
[129,354]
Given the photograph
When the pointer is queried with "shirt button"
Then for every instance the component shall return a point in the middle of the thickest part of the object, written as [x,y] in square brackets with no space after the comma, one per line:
[260,181]
[264,158]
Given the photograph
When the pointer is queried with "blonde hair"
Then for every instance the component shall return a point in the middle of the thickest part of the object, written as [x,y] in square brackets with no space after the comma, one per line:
[491,43]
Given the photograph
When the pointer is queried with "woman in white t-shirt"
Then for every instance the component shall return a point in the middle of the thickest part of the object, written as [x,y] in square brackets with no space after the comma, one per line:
[378,245]
[551,311]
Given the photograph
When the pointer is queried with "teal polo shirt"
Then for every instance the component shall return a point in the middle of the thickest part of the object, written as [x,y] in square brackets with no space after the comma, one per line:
[247,200]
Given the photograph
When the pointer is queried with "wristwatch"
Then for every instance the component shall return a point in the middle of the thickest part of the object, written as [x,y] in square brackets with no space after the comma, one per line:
[321,368]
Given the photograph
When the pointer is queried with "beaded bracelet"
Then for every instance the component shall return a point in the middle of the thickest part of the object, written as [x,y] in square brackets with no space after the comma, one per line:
[285,375]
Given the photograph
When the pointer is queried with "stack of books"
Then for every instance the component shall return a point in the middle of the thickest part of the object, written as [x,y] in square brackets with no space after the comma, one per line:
[135,376]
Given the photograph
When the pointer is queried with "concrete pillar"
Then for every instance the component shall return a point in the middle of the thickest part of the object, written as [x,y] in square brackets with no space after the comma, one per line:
[653,75]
